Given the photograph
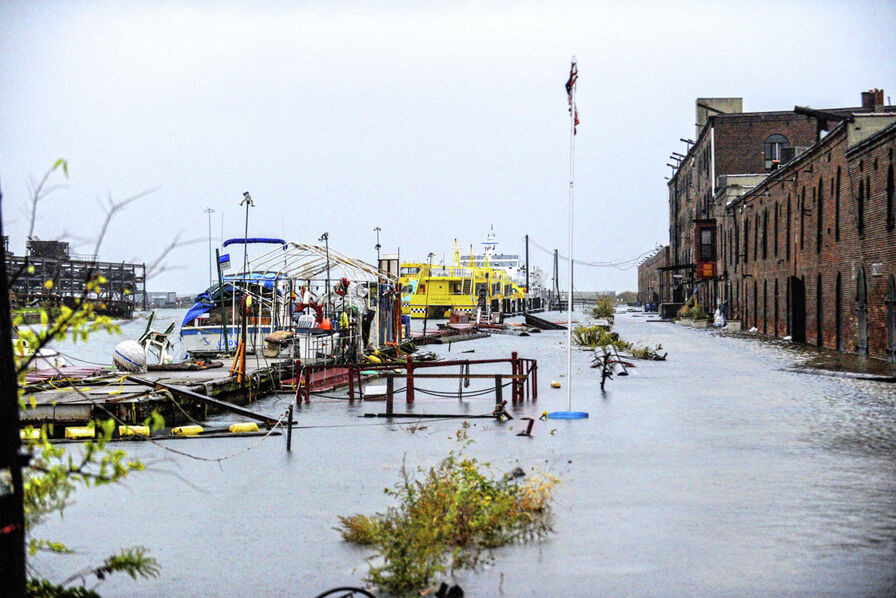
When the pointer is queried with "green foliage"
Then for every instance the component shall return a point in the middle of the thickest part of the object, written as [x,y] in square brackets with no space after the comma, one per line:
[597,336]
[606,307]
[627,297]
[53,474]
[132,561]
[41,588]
[696,312]
[449,519]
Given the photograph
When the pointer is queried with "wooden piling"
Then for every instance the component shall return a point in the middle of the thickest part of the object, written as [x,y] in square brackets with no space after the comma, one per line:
[409,392]
[499,390]
[390,387]
[289,430]
[514,383]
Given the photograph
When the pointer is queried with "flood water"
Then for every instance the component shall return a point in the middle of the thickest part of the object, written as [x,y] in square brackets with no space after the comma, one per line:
[715,473]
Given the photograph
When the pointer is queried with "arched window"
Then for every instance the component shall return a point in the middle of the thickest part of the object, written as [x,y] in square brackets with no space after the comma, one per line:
[788,240]
[777,209]
[819,221]
[838,312]
[801,206]
[772,150]
[860,209]
[891,217]
[837,208]
[819,312]
[756,239]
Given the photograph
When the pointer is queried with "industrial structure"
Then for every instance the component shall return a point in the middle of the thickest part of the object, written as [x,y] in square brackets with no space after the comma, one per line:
[51,276]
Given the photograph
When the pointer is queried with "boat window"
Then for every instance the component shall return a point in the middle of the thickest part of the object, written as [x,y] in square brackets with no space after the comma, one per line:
[407,289]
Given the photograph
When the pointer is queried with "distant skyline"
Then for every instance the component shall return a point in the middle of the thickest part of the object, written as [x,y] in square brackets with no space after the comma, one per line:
[431,121]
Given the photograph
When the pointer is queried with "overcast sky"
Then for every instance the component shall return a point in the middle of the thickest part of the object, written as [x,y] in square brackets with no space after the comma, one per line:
[430,120]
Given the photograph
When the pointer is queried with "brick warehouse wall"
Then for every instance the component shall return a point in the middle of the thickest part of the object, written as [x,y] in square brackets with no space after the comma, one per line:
[650,277]
[740,138]
[822,250]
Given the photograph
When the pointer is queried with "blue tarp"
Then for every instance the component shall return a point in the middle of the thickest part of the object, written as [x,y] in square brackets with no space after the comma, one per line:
[197,310]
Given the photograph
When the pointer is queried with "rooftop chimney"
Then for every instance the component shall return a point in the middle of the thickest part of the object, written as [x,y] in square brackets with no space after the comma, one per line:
[873,99]
[707,107]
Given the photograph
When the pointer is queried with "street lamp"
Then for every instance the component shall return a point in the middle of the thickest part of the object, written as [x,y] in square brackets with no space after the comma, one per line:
[247,201]
[379,269]
[209,211]
[428,279]
[326,239]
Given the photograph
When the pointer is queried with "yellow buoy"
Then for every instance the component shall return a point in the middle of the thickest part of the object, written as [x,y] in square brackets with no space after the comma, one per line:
[555,384]
[30,434]
[133,430]
[187,430]
[77,432]
[245,427]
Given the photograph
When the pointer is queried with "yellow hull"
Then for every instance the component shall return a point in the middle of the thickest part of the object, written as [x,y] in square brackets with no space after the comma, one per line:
[435,292]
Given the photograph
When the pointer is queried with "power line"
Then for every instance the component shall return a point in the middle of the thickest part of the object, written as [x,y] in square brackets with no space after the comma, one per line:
[626,264]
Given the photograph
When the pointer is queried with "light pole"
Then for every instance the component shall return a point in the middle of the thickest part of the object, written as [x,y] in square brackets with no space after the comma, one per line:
[326,239]
[379,269]
[209,211]
[428,278]
[247,200]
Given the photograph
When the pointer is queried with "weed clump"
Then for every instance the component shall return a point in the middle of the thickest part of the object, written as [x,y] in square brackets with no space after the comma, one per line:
[448,519]
[598,336]
[606,307]
[696,312]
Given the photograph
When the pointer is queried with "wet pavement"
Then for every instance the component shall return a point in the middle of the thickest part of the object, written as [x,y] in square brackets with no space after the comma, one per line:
[720,472]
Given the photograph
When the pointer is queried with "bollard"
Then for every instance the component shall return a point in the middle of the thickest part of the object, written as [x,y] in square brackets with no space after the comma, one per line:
[289,430]
[390,386]
[499,390]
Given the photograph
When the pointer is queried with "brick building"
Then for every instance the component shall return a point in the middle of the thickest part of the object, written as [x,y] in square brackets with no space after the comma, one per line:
[652,281]
[810,252]
[744,228]
[734,147]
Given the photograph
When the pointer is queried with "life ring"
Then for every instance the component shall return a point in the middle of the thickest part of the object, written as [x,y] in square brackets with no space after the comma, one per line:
[318,312]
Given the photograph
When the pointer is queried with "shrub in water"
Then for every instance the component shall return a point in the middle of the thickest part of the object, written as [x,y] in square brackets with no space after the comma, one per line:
[448,519]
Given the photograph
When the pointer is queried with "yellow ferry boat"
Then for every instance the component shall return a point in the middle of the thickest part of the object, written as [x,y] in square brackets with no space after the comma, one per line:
[434,291]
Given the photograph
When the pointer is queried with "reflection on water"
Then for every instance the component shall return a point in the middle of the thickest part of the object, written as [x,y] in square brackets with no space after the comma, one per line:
[719,472]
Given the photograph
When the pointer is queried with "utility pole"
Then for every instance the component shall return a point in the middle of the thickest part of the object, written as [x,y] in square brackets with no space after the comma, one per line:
[326,239]
[209,211]
[12,514]
[379,294]
[556,288]
[528,293]
[247,200]
[426,309]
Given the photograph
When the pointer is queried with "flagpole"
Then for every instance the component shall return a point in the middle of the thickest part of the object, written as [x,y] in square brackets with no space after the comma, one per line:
[572,171]
[573,120]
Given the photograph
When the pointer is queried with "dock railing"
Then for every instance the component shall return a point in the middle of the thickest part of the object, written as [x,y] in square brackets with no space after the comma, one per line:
[523,377]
